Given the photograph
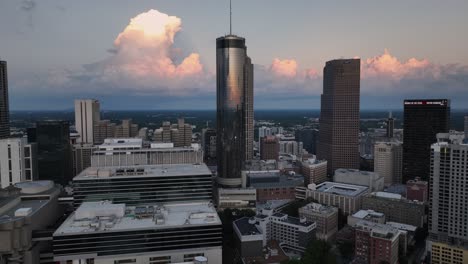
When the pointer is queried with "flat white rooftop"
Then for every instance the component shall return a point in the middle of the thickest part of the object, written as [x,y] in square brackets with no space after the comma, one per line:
[339,188]
[163,170]
[102,217]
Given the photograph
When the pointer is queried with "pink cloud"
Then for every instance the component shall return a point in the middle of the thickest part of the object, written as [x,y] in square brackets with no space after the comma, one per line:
[284,68]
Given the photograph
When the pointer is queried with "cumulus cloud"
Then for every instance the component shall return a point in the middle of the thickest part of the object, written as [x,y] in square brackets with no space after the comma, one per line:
[143,61]
[284,68]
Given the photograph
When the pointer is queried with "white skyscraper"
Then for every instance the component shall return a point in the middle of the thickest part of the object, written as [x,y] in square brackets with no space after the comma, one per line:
[388,161]
[17,161]
[87,114]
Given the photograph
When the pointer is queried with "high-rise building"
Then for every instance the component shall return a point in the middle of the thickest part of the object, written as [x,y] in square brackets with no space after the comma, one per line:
[423,119]
[4,108]
[103,129]
[82,157]
[234,96]
[18,161]
[269,149]
[390,125]
[87,114]
[127,129]
[180,134]
[209,143]
[448,202]
[377,243]
[466,127]
[339,114]
[308,137]
[264,131]
[54,151]
[314,171]
[417,190]
[388,161]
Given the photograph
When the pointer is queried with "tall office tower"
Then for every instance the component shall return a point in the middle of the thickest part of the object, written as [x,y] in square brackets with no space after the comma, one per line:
[4,109]
[269,149]
[339,114]
[234,96]
[390,125]
[127,129]
[54,151]
[103,129]
[423,119]
[18,161]
[308,137]
[185,133]
[448,202]
[87,114]
[388,161]
[466,127]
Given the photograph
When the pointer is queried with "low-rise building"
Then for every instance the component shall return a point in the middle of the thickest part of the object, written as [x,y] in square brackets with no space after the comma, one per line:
[367,215]
[373,180]
[272,185]
[314,171]
[377,243]
[236,197]
[28,210]
[417,190]
[442,253]
[158,233]
[395,208]
[326,218]
[253,234]
[347,197]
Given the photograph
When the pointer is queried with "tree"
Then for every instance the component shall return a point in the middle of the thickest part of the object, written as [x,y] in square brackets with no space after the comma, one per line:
[318,252]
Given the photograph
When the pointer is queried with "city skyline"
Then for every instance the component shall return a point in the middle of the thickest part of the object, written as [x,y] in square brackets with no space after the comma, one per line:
[398,62]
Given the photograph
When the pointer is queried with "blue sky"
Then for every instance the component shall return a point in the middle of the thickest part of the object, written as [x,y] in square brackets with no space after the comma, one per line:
[58,50]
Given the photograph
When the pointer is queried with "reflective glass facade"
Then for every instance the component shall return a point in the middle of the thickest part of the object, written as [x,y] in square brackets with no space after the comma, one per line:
[234,74]
[4,109]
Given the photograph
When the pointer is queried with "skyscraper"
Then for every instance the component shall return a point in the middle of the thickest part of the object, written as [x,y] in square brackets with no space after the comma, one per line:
[4,109]
[388,161]
[466,127]
[87,114]
[234,100]
[423,119]
[339,115]
[448,202]
[390,125]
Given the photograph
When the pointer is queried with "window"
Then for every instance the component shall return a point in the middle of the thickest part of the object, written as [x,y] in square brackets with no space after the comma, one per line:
[125,261]
[160,260]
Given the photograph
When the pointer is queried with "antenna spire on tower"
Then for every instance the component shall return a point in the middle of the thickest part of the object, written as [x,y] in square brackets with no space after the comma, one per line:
[230,17]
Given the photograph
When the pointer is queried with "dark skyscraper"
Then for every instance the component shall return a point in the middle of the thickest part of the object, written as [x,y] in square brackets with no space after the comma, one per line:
[423,119]
[390,126]
[54,151]
[308,137]
[234,101]
[4,109]
[339,115]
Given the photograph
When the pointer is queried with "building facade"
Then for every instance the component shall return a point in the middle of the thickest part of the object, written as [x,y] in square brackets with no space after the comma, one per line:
[395,208]
[423,119]
[18,161]
[377,243]
[373,180]
[87,115]
[448,205]
[179,134]
[209,143]
[234,116]
[339,115]
[314,171]
[103,129]
[82,154]
[417,190]
[325,217]
[388,161]
[4,103]
[269,148]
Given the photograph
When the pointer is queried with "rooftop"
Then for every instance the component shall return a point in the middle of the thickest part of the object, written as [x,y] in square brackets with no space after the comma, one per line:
[340,188]
[100,217]
[246,226]
[292,220]
[273,179]
[378,230]
[143,171]
[366,214]
[320,208]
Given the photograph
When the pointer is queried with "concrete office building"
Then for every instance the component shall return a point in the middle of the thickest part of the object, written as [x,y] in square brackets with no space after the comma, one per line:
[423,119]
[234,111]
[236,198]
[180,134]
[18,161]
[253,234]
[144,184]
[4,102]
[28,210]
[390,126]
[103,129]
[388,161]
[366,215]
[314,171]
[126,129]
[339,115]
[82,157]
[87,115]
[129,152]
[264,131]
[346,197]
[373,180]
[448,205]
[269,148]
[272,185]
[377,243]
[395,208]
[417,190]
[290,147]
[325,217]
[155,233]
